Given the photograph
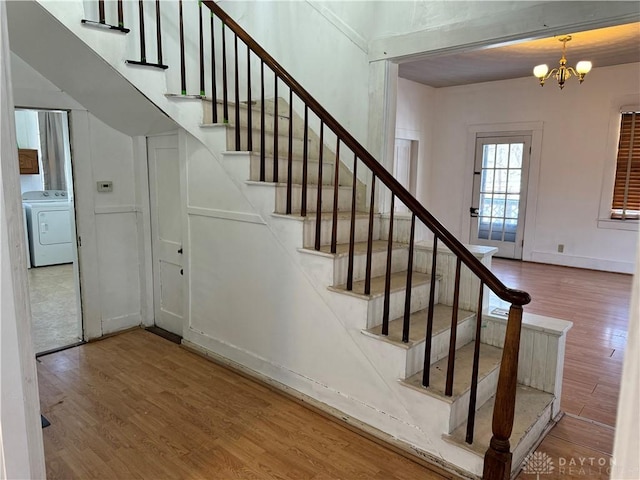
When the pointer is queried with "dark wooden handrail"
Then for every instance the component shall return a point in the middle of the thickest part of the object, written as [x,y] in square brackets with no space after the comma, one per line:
[516,297]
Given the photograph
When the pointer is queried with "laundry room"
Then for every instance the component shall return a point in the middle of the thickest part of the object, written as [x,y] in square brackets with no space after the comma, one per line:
[46,183]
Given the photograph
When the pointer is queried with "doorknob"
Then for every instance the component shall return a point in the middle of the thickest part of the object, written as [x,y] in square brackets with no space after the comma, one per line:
[180,250]
[474,211]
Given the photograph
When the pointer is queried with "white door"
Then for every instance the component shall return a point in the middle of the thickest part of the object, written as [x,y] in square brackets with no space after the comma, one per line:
[499,193]
[404,169]
[166,231]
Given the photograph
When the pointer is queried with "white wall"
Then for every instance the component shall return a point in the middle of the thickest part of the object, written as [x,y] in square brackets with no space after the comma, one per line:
[332,48]
[21,451]
[414,122]
[110,255]
[576,161]
[324,61]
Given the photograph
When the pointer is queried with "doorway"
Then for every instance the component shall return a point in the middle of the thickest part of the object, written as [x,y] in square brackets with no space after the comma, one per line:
[405,168]
[46,185]
[166,232]
[501,169]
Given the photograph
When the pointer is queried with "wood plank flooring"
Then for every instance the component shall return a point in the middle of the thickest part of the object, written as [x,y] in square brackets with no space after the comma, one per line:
[598,305]
[138,406]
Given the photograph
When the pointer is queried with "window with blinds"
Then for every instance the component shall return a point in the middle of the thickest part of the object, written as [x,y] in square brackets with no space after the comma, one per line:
[626,190]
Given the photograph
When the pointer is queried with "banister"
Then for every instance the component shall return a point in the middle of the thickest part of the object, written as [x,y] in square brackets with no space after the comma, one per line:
[513,296]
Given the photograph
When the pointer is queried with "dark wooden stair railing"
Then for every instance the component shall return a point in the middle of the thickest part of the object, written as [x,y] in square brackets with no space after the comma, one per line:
[102,19]
[497,464]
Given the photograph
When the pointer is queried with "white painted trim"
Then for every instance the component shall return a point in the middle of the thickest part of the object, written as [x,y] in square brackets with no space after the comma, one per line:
[612,224]
[407,134]
[21,446]
[626,462]
[86,224]
[383,100]
[340,25]
[183,159]
[582,262]
[538,21]
[535,129]
[111,209]
[116,324]
[609,168]
[226,215]
[549,325]
[143,221]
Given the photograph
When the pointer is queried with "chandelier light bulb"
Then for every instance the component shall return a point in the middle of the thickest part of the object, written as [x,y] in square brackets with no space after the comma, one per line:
[541,70]
[583,67]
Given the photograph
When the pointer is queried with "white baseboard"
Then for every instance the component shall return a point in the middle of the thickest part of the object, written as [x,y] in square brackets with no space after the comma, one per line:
[583,262]
[116,324]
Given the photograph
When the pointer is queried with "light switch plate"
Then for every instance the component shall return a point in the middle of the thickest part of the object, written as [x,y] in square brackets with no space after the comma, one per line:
[105,186]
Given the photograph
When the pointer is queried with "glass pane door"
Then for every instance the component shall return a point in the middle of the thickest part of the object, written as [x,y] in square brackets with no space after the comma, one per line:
[499,190]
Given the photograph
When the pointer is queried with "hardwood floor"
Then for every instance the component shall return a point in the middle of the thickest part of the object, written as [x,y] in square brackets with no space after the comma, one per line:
[138,406]
[598,305]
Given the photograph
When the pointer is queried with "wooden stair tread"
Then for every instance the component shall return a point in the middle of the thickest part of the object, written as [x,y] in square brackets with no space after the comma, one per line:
[325,161]
[398,282]
[490,358]
[359,248]
[418,325]
[326,216]
[530,404]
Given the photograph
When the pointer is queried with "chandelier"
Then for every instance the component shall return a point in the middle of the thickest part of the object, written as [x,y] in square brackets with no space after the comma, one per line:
[562,73]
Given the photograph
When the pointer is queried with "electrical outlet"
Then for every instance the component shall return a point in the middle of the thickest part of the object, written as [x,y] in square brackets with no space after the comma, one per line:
[105,186]
[560,248]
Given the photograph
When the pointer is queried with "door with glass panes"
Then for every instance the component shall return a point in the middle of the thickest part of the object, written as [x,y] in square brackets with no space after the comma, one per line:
[501,170]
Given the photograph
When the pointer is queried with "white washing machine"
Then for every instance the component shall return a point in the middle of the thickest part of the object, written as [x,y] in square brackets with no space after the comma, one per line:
[49,226]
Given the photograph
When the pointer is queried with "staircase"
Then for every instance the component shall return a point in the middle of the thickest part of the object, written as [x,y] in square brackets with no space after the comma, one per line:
[363,308]
[404,302]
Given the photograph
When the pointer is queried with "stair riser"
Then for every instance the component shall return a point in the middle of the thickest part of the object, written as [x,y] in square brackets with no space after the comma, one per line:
[344,198]
[439,346]
[526,444]
[460,407]
[399,259]
[296,170]
[401,228]
[269,119]
[419,300]
[343,230]
[297,145]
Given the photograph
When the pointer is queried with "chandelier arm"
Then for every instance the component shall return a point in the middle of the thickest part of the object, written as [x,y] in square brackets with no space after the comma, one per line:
[552,72]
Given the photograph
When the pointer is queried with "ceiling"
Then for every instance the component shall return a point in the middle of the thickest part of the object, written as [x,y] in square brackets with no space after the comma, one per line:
[603,47]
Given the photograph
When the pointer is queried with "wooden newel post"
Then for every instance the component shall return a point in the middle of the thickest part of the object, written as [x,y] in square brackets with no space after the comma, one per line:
[497,459]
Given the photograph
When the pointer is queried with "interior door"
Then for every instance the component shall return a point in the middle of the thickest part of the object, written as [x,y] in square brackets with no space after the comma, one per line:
[499,193]
[404,169]
[166,231]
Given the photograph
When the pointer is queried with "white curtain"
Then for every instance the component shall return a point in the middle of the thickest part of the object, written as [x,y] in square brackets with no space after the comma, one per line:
[52,148]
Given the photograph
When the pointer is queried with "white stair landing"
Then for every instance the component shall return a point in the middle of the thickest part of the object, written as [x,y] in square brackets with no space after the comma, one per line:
[533,415]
